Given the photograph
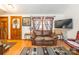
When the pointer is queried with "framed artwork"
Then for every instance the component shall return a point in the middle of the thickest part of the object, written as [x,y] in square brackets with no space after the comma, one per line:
[26,21]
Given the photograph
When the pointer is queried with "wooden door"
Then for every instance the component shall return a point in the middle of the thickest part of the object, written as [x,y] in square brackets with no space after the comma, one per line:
[16,27]
[3,27]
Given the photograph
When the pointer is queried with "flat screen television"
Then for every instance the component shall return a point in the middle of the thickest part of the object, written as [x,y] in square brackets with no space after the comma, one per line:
[64,23]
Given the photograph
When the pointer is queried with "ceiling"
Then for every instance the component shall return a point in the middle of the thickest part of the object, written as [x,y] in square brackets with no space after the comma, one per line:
[33,8]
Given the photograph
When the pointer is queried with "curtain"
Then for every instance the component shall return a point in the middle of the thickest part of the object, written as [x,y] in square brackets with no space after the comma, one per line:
[42,22]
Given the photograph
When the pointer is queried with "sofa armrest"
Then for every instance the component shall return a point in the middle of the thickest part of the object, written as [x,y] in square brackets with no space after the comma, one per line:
[72,39]
[33,35]
[54,36]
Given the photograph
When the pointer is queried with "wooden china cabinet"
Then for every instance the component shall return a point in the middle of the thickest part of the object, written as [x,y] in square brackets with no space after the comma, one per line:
[3,27]
[16,27]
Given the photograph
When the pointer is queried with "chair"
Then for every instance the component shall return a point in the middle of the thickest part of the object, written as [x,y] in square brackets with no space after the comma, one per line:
[74,43]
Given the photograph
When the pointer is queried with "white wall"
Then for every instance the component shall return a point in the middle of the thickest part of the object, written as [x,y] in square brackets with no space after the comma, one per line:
[24,29]
[73,12]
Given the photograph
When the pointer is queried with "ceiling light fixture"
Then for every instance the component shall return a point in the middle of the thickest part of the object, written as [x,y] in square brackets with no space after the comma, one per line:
[11,5]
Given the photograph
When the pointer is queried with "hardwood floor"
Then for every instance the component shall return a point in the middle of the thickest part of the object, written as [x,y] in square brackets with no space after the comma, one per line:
[17,48]
[20,44]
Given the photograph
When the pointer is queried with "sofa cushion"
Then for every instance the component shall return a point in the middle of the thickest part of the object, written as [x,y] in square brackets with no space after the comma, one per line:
[46,32]
[48,38]
[38,32]
[39,38]
[43,38]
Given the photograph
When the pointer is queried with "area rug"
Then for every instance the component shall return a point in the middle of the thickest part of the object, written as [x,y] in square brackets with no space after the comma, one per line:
[45,51]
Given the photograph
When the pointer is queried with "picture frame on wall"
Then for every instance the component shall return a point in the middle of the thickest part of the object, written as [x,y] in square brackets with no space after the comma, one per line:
[26,21]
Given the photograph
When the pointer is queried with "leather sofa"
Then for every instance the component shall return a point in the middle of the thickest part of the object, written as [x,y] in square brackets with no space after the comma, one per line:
[44,38]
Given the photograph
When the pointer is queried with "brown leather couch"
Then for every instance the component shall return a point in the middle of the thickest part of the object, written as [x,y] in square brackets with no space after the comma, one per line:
[44,38]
